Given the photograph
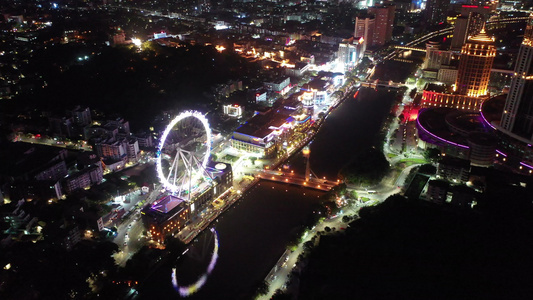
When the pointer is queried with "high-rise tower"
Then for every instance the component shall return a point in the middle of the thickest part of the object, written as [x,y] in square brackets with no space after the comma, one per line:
[469,23]
[477,56]
[517,116]
[384,23]
[364,27]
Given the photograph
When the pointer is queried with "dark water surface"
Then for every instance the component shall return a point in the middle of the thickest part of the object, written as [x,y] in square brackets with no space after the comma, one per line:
[353,126]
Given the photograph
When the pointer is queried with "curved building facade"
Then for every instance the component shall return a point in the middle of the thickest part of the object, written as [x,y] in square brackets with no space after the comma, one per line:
[482,148]
[512,150]
[459,134]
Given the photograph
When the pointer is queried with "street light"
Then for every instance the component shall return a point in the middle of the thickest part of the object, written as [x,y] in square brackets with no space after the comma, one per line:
[137,42]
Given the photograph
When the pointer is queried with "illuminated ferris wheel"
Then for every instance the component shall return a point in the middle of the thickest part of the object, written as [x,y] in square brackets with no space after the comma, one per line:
[183,154]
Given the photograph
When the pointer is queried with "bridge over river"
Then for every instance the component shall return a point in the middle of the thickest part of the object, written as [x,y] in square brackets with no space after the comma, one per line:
[295,179]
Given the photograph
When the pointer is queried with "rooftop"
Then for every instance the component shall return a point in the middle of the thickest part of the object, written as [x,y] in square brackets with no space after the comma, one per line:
[481,37]
[492,109]
[166,204]
[454,161]
[259,126]
[316,84]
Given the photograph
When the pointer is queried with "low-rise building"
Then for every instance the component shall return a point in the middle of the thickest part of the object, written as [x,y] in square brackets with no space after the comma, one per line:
[112,149]
[83,179]
[166,216]
[145,140]
[234,111]
[437,191]
[443,96]
[134,154]
[260,96]
[447,75]
[299,69]
[279,85]
[453,169]
[463,196]
[265,133]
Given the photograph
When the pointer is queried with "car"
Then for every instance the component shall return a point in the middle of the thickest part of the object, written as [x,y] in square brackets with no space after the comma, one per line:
[129,226]
[125,244]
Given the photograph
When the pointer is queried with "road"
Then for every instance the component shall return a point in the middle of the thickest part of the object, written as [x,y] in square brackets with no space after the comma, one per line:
[129,238]
[55,142]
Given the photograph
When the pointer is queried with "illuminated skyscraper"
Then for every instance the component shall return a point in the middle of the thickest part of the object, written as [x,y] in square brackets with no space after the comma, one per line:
[517,116]
[477,56]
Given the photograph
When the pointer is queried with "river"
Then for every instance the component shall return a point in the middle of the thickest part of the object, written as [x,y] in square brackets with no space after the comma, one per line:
[254,232]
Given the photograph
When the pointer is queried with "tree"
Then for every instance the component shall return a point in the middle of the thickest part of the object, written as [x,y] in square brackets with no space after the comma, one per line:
[432,154]
[280,295]
[401,117]
[412,94]
[263,287]
[350,81]
[338,94]
[308,246]
[428,169]
[174,245]
[367,167]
